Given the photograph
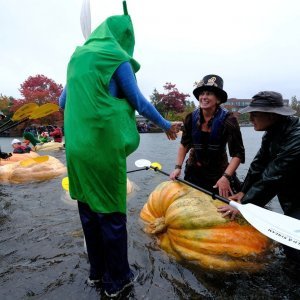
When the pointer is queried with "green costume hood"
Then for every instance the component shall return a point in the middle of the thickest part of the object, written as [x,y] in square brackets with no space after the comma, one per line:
[115,35]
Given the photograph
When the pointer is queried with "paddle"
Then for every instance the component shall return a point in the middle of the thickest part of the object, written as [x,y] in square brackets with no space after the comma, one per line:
[65,181]
[30,161]
[279,227]
[40,112]
[21,113]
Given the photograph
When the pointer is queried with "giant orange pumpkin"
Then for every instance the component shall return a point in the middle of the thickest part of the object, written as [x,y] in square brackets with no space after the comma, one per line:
[188,227]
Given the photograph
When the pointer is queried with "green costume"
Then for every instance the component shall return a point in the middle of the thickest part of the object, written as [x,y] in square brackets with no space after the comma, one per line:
[100,130]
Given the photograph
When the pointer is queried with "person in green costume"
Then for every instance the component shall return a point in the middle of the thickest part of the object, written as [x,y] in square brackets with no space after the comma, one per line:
[33,140]
[100,132]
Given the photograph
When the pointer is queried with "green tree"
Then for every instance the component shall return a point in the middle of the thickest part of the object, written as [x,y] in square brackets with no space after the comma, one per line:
[295,104]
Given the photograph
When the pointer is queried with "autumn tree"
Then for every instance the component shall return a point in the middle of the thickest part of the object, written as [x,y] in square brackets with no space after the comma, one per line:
[5,104]
[40,89]
[171,102]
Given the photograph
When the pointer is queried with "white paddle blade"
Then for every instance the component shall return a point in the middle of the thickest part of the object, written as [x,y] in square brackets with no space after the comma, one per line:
[85,18]
[281,228]
[141,163]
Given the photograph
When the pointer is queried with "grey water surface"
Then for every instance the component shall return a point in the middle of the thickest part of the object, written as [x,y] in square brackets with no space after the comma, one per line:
[42,254]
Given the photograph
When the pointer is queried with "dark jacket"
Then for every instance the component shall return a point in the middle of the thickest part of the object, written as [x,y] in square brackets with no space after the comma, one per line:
[206,169]
[275,168]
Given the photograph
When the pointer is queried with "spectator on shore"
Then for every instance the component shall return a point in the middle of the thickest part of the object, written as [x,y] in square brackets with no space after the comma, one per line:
[56,134]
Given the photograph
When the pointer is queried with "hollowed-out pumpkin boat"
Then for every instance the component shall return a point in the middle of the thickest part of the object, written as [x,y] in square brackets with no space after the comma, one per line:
[29,167]
[188,227]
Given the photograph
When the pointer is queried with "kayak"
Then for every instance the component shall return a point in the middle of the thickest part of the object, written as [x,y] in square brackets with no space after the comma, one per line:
[18,157]
[32,169]
[50,146]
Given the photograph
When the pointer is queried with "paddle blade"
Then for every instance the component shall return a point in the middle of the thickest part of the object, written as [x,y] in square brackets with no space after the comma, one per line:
[37,160]
[44,110]
[24,111]
[142,163]
[156,165]
[281,228]
[65,183]
[85,18]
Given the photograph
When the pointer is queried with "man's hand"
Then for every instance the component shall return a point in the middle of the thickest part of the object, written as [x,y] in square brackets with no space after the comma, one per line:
[228,211]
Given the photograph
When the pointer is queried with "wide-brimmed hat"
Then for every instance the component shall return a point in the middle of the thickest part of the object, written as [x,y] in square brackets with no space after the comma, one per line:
[212,83]
[269,102]
[15,141]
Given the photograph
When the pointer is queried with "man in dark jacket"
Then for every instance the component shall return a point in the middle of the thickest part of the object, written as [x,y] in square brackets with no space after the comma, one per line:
[275,169]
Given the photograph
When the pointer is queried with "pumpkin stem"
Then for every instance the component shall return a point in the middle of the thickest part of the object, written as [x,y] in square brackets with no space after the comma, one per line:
[157,226]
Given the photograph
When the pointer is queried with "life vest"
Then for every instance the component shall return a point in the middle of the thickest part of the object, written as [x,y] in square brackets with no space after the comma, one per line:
[214,145]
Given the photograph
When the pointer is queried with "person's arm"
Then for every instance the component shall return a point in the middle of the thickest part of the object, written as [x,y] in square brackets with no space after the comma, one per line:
[237,153]
[235,143]
[184,147]
[257,166]
[182,151]
[63,98]
[126,80]
[273,177]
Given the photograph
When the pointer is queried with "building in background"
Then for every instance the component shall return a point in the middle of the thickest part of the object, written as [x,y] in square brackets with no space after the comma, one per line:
[235,105]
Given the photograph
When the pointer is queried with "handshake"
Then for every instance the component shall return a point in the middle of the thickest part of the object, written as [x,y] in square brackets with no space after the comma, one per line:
[4,155]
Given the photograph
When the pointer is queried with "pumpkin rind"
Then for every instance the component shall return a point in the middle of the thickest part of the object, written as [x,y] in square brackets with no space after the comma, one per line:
[188,227]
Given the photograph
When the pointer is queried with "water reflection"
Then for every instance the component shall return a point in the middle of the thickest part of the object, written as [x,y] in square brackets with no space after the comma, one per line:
[42,254]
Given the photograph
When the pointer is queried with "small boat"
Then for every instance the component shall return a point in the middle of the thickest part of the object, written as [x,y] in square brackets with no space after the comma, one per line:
[50,146]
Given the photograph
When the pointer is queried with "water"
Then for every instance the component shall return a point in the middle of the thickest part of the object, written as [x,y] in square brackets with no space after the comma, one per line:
[42,254]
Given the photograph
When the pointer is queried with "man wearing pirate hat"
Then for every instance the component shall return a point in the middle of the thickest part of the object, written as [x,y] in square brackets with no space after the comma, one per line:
[275,169]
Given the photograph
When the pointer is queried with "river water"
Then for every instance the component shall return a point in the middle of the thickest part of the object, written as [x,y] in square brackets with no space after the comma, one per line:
[42,254]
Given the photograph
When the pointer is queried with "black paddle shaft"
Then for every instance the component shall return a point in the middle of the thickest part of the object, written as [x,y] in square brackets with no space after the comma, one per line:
[136,170]
[6,123]
[13,125]
[213,195]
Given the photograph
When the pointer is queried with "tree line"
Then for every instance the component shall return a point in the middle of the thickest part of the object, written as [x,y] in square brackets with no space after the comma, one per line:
[171,103]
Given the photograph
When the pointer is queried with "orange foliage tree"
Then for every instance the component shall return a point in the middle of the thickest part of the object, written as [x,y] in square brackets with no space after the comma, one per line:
[40,89]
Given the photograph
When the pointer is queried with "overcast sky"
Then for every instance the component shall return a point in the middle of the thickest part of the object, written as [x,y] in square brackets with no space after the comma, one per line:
[253,45]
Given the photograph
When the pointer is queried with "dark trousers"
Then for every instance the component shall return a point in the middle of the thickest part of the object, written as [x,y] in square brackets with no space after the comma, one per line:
[106,241]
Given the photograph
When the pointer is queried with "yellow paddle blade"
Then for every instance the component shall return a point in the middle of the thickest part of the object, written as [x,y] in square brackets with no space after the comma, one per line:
[37,160]
[24,111]
[155,165]
[65,183]
[44,110]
